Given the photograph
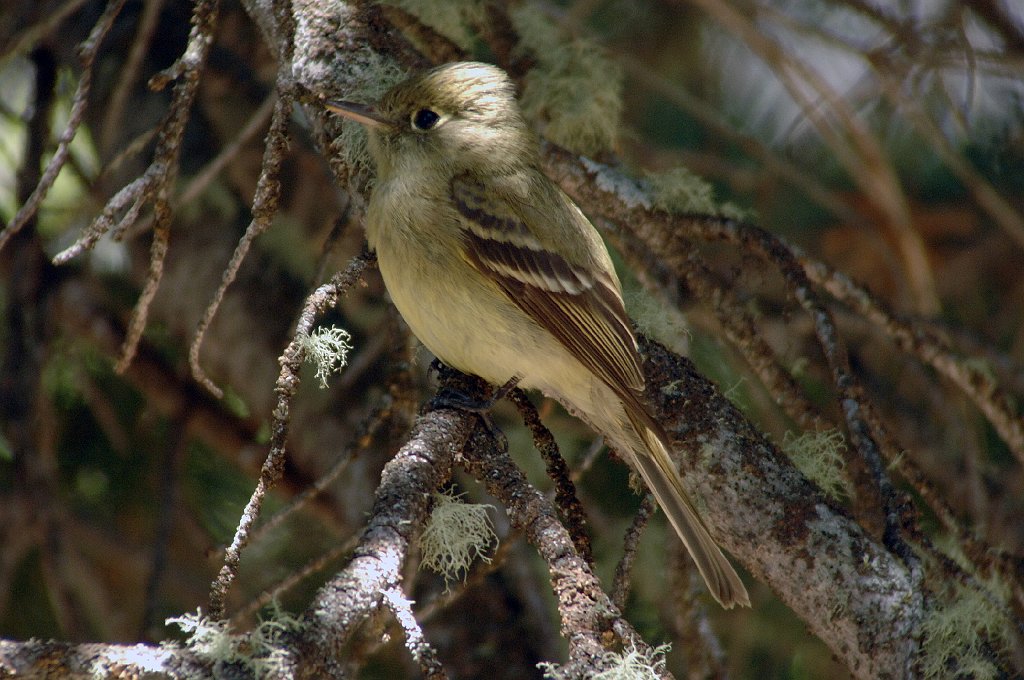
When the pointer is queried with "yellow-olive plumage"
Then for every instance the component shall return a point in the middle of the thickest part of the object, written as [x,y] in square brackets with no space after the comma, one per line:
[500,275]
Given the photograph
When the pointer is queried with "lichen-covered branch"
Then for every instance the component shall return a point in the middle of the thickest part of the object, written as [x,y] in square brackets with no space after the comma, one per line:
[858,597]
[587,612]
[58,660]
[356,595]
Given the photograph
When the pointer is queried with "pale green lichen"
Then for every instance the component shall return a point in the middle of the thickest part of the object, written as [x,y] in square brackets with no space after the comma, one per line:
[966,625]
[656,319]
[633,664]
[271,647]
[208,638]
[629,664]
[456,534]
[327,349]
[574,89]
[265,651]
[819,456]
[959,634]
[679,191]
[351,145]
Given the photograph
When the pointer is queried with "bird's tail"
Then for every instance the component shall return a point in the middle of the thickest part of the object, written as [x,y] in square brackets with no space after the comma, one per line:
[662,478]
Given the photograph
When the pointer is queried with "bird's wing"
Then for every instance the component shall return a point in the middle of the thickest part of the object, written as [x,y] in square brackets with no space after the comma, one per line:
[581,306]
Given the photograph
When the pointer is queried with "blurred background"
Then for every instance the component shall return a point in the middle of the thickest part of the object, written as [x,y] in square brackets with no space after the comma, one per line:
[884,138]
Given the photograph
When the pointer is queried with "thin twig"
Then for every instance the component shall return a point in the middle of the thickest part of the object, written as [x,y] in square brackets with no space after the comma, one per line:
[87,50]
[33,35]
[264,207]
[421,650]
[129,73]
[624,570]
[140,313]
[858,150]
[931,348]
[558,471]
[288,381]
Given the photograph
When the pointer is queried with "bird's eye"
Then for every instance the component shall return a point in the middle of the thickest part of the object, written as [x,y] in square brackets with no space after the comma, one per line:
[425,119]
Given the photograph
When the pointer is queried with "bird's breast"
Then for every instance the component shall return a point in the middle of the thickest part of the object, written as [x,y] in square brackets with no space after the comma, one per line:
[459,314]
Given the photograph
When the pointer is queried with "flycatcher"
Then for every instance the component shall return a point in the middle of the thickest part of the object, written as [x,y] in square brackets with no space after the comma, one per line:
[500,275]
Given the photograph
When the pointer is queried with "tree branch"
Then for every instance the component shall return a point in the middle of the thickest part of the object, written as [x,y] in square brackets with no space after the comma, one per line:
[356,594]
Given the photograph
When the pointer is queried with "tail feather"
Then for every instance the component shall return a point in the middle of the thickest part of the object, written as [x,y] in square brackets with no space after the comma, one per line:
[660,474]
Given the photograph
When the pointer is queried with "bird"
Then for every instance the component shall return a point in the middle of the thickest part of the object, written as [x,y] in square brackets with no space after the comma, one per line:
[500,275]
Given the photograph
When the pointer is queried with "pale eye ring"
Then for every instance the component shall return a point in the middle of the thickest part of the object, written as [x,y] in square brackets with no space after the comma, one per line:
[425,119]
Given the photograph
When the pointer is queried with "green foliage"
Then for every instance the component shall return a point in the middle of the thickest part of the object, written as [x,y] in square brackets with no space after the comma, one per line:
[574,88]
[455,535]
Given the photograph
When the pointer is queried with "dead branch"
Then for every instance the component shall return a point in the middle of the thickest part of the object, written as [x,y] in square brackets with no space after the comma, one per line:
[287,384]
[624,570]
[264,207]
[558,471]
[931,348]
[88,50]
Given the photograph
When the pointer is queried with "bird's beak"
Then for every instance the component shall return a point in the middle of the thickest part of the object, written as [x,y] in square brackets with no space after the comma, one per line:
[360,113]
